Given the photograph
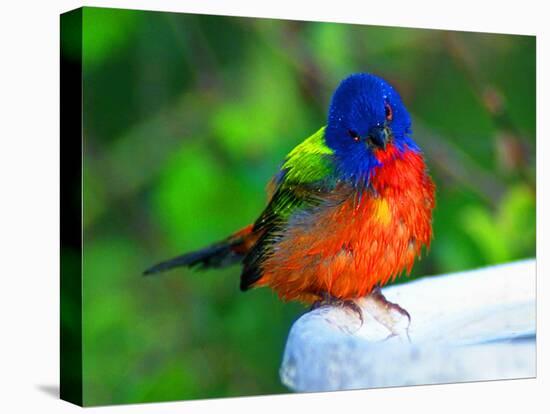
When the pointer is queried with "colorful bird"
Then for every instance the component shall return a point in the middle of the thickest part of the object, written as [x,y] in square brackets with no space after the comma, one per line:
[348,211]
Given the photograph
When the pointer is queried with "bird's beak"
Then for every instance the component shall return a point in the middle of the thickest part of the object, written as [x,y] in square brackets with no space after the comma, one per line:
[379,136]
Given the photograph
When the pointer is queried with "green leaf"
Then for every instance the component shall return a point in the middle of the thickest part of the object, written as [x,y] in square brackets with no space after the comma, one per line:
[104,31]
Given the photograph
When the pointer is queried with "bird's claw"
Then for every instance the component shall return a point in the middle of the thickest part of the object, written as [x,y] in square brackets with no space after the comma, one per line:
[328,300]
[382,312]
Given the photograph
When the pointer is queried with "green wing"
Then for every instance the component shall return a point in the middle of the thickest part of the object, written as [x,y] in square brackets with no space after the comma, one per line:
[309,163]
[305,175]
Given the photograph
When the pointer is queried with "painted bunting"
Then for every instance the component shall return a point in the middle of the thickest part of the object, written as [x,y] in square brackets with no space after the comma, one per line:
[349,209]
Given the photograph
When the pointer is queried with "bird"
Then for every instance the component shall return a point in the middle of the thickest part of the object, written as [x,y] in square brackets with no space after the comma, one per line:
[349,209]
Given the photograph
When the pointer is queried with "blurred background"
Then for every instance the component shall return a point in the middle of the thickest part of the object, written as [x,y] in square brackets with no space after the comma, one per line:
[187,117]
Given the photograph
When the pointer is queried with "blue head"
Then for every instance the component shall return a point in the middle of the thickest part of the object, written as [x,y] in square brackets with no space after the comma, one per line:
[366,114]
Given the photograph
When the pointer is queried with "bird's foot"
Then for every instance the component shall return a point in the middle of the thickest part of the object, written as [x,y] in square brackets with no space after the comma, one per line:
[392,316]
[328,300]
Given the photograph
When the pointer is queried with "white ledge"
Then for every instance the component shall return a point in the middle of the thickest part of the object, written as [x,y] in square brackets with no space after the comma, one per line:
[468,326]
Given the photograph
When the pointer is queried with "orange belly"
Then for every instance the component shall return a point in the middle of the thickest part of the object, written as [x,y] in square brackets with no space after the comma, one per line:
[352,243]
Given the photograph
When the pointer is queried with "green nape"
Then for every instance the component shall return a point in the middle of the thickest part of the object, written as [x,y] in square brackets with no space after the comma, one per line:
[309,161]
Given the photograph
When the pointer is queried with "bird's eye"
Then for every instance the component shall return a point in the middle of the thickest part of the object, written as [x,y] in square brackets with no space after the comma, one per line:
[354,135]
[389,112]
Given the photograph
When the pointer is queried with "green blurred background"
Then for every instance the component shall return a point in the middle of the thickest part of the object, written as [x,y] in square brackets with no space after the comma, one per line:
[187,117]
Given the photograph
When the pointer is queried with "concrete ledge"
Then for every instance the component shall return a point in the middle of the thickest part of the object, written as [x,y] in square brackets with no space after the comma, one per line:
[468,326]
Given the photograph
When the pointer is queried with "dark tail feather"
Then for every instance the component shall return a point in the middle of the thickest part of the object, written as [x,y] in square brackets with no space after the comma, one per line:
[212,256]
[224,253]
